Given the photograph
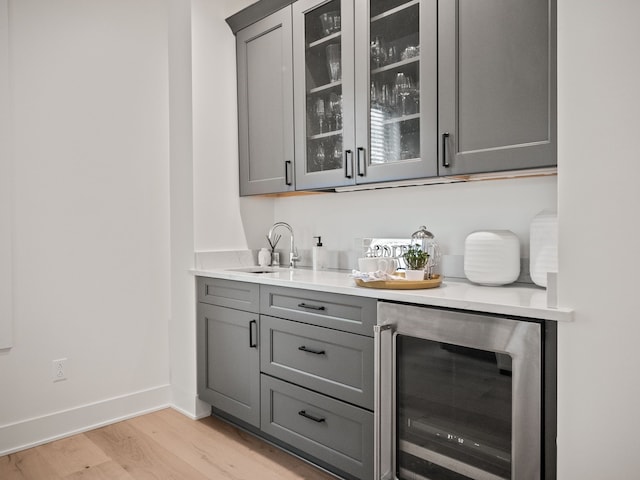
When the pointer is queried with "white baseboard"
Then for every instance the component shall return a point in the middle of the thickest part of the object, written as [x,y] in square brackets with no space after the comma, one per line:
[189,404]
[37,431]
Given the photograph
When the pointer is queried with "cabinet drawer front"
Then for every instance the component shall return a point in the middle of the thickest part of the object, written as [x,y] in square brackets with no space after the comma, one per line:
[335,363]
[229,293]
[341,312]
[330,430]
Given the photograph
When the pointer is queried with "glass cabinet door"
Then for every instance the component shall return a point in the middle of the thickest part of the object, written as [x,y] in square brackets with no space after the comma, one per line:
[397,106]
[365,91]
[323,83]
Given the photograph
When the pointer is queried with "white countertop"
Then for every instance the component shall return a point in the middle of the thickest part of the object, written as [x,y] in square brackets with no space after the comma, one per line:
[519,299]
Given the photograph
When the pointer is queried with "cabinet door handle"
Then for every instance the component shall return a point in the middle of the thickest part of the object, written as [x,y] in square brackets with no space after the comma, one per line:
[311,307]
[304,414]
[252,342]
[287,169]
[445,159]
[348,160]
[310,350]
[360,157]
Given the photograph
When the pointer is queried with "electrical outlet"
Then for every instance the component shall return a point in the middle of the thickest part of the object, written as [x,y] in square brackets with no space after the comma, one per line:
[59,370]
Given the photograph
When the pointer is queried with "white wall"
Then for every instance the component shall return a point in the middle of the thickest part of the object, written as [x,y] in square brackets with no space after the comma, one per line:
[6,188]
[221,216]
[91,254]
[449,211]
[182,325]
[599,100]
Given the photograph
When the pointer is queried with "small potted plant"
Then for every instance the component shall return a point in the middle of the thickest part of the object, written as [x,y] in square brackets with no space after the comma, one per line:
[416,261]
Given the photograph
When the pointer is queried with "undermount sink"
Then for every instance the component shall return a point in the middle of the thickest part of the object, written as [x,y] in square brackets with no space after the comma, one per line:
[256,270]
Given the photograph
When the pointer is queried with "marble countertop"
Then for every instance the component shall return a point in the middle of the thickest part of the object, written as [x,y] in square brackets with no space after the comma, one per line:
[518,299]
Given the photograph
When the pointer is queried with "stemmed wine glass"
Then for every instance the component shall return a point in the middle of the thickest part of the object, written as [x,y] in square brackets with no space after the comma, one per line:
[320,156]
[403,87]
[320,114]
[335,107]
[337,154]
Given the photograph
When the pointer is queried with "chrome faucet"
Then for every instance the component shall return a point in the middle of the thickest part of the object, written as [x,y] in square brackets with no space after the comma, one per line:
[293,254]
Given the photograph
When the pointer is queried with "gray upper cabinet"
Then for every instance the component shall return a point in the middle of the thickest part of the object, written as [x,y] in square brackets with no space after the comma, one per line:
[497,85]
[365,87]
[387,90]
[265,105]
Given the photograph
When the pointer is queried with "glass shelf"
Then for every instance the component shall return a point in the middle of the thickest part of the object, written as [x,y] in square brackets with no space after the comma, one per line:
[321,136]
[402,118]
[326,87]
[393,11]
[323,40]
[396,65]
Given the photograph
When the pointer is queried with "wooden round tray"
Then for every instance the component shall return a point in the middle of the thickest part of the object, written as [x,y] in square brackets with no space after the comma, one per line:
[434,282]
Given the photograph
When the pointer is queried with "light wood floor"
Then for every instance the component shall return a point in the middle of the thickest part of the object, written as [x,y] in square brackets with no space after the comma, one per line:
[160,445]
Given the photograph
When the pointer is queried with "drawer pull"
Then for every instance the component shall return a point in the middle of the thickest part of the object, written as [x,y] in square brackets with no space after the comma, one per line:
[310,350]
[252,342]
[311,307]
[304,414]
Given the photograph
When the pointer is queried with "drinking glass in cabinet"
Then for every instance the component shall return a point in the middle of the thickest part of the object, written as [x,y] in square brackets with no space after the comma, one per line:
[335,109]
[319,114]
[330,22]
[378,52]
[403,87]
[337,153]
[410,52]
[333,62]
[320,156]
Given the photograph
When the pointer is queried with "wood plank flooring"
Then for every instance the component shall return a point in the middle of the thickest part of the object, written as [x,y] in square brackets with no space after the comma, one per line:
[160,445]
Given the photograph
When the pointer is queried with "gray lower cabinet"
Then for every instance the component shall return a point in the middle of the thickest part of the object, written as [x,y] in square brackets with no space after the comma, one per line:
[335,432]
[265,105]
[496,86]
[316,360]
[297,365]
[227,348]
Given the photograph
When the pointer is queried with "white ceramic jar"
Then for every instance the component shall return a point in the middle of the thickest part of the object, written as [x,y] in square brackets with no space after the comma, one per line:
[492,257]
[543,246]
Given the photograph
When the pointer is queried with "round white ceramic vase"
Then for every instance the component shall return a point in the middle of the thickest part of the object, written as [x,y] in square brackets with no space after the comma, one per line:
[492,257]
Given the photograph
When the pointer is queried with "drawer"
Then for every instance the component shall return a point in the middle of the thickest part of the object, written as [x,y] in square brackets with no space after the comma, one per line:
[229,293]
[341,312]
[327,429]
[338,364]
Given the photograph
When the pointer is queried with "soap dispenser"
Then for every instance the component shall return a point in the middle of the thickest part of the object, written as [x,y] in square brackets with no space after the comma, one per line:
[318,258]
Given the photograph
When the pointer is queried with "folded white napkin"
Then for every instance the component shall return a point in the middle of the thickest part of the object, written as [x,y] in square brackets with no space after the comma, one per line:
[374,276]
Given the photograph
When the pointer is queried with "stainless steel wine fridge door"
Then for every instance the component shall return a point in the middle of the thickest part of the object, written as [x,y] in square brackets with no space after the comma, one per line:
[458,395]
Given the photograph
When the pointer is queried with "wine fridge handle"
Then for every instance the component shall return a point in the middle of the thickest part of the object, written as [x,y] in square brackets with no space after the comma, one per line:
[377,400]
